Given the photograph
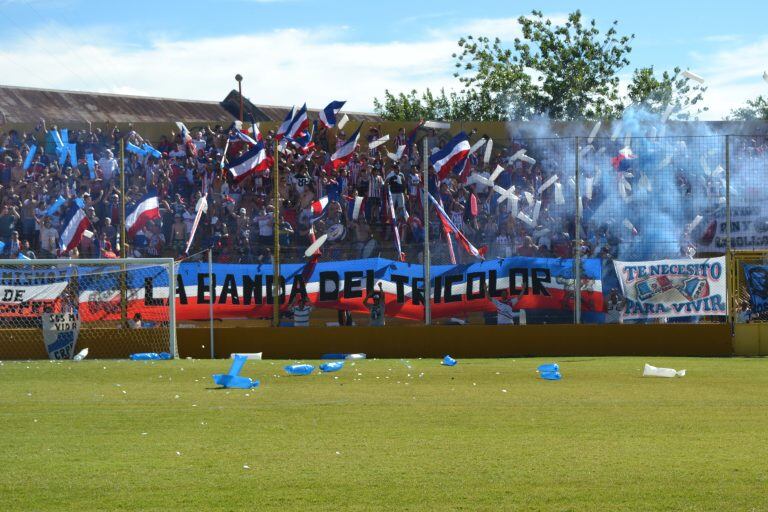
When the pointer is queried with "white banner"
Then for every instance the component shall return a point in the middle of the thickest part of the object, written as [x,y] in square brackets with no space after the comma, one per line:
[749,229]
[673,288]
[60,332]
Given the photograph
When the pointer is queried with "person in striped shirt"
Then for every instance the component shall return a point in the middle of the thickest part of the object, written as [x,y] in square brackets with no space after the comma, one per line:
[301,310]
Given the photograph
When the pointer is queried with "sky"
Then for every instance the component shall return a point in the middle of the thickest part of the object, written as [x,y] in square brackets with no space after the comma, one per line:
[292,51]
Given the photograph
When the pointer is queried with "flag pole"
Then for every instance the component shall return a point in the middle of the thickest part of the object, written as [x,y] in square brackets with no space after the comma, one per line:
[276,233]
[425,214]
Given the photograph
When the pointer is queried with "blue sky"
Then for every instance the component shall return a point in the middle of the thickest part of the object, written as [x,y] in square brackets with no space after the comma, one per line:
[290,51]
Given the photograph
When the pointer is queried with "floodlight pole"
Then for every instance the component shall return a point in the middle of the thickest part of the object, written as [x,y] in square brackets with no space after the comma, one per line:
[427,258]
[239,79]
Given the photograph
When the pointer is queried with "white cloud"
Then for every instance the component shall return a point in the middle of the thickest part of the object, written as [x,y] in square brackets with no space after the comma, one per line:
[279,67]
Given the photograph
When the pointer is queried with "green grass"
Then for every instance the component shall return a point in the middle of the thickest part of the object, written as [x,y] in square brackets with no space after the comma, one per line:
[385,435]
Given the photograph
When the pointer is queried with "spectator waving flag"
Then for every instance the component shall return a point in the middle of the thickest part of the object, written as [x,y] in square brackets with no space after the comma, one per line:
[451,155]
[412,138]
[236,134]
[146,209]
[286,124]
[344,152]
[450,227]
[253,160]
[201,207]
[72,227]
[393,219]
[254,128]
[328,114]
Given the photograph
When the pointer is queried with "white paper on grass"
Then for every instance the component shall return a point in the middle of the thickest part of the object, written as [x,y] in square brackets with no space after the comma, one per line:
[551,181]
[594,131]
[248,355]
[378,142]
[693,76]
[343,121]
[559,199]
[488,150]
[477,145]
[312,249]
[498,170]
[652,371]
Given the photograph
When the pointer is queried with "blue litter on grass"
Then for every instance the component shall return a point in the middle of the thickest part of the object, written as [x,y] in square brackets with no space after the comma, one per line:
[550,375]
[334,356]
[299,369]
[150,356]
[232,379]
[549,367]
[331,367]
[449,361]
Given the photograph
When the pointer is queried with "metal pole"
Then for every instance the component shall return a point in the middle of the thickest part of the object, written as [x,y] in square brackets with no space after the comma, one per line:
[728,193]
[123,268]
[212,297]
[172,306]
[427,258]
[239,79]
[577,247]
[276,249]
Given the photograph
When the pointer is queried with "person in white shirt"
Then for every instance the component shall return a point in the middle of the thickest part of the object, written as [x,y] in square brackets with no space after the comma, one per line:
[109,166]
[505,312]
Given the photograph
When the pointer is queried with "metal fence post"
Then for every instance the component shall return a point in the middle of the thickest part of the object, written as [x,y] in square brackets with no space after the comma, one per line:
[212,297]
[577,245]
[728,194]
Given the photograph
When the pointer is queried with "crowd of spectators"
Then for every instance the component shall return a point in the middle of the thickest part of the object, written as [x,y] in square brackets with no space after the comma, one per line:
[239,221]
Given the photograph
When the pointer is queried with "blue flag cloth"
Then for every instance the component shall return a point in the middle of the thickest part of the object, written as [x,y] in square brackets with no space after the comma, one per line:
[55,206]
[150,356]
[22,256]
[232,379]
[73,155]
[152,151]
[135,150]
[448,361]
[331,367]
[64,136]
[30,156]
[2,247]
[79,202]
[91,165]
[299,369]
[63,152]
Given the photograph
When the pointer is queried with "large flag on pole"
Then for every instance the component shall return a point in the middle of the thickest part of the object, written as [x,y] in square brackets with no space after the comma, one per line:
[453,153]
[344,152]
[146,209]
[72,228]
[448,225]
[286,124]
[328,114]
[393,218]
[253,160]
[299,124]
[201,207]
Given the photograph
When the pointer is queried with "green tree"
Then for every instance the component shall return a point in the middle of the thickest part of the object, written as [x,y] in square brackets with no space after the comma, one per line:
[562,71]
[655,94]
[754,109]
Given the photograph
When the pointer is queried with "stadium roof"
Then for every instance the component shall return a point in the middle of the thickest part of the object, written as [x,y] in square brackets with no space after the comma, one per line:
[28,105]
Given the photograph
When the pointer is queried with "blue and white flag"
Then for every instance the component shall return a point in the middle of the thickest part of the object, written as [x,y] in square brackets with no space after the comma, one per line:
[30,156]
[328,114]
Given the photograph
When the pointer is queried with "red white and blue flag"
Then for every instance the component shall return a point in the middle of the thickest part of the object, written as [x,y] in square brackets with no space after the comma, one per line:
[450,227]
[148,208]
[236,134]
[286,124]
[299,124]
[73,226]
[328,114]
[253,160]
[412,138]
[255,128]
[344,153]
[393,219]
[318,207]
[451,155]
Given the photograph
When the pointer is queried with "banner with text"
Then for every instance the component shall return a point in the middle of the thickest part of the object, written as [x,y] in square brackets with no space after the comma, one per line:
[756,277]
[673,288]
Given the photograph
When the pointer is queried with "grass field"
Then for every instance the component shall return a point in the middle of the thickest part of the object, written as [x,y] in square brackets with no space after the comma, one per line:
[385,435]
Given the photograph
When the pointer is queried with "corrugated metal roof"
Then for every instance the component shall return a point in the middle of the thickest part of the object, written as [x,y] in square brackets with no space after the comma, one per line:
[28,105]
